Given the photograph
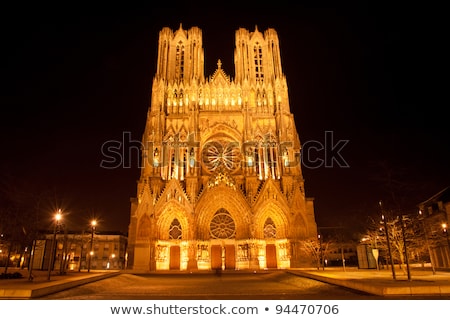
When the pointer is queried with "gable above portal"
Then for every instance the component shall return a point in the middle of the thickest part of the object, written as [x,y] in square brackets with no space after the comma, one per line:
[219,77]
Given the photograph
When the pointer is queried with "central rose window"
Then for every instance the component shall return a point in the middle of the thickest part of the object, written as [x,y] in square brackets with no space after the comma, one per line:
[222,225]
[221,153]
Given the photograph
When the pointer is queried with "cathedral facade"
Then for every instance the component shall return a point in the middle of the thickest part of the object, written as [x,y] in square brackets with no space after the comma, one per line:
[221,185]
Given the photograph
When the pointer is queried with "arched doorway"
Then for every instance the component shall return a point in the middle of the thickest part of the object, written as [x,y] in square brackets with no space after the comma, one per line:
[175,258]
[271,255]
[230,256]
[175,233]
[270,232]
[216,257]
[222,227]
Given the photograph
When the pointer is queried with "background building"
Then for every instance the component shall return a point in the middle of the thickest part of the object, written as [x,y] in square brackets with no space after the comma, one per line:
[435,213]
[221,184]
[72,251]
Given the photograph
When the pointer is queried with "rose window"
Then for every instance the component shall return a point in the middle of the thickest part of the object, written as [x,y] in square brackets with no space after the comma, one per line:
[222,225]
[221,153]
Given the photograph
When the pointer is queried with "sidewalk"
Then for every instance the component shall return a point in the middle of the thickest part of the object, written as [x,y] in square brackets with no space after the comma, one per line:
[40,285]
[381,282]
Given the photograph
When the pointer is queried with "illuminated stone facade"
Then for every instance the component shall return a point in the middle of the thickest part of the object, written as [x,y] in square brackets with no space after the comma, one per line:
[221,183]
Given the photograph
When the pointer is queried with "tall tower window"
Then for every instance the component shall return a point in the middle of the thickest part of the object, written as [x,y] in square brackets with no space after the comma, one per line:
[179,61]
[191,158]
[275,60]
[257,55]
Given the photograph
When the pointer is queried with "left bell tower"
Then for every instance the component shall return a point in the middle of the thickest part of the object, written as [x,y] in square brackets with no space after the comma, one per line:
[180,55]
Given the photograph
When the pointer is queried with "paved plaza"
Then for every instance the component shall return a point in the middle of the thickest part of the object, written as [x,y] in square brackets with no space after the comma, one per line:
[379,283]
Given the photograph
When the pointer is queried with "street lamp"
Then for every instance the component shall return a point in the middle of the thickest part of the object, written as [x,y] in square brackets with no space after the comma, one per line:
[386,231]
[445,231]
[111,261]
[427,243]
[91,253]
[408,271]
[321,251]
[58,217]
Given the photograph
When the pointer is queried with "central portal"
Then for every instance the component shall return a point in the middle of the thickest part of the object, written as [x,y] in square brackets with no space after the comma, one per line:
[222,226]
[216,257]
[230,257]
[223,257]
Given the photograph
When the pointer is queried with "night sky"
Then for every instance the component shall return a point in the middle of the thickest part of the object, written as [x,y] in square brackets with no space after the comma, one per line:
[369,75]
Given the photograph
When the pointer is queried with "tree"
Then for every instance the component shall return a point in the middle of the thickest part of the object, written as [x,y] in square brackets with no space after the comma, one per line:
[312,248]
[406,236]
[20,214]
[317,249]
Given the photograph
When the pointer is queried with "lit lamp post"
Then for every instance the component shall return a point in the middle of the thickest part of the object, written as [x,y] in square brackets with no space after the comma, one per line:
[111,261]
[321,251]
[405,248]
[427,243]
[58,217]
[386,231]
[445,230]
[91,253]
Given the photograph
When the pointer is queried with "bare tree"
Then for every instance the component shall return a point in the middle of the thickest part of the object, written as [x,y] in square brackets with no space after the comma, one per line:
[405,237]
[317,249]
[20,214]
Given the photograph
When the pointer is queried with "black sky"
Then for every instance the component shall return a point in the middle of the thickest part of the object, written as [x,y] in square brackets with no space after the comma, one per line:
[74,80]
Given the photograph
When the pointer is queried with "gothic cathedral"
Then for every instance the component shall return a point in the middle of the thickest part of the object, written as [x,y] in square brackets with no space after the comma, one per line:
[221,185]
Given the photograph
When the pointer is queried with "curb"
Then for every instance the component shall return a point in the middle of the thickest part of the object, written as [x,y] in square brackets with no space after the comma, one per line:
[406,290]
[29,293]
